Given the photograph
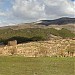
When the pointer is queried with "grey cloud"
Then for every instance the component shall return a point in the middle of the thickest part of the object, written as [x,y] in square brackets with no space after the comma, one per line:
[60,8]
[28,9]
[38,9]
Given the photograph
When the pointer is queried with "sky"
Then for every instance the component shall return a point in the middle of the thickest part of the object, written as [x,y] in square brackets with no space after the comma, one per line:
[23,11]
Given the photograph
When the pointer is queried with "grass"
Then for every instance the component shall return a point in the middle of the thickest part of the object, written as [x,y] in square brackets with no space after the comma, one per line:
[11,65]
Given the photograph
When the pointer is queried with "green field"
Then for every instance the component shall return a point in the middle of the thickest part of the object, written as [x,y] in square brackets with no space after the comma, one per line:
[37,66]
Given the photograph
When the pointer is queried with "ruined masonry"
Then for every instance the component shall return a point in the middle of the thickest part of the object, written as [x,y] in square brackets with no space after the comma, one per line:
[58,48]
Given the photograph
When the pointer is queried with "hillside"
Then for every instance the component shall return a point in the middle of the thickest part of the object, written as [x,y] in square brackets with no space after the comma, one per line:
[36,39]
[33,34]
[60,21]
[64,22]
[40,30]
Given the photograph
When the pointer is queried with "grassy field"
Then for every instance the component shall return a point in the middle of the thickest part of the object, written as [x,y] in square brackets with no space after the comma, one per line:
[37,66]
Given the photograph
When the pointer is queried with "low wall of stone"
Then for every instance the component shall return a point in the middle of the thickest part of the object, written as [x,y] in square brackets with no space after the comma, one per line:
[37,49]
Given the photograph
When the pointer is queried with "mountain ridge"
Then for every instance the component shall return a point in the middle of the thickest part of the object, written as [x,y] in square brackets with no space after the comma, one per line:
[59,21]
[64,22]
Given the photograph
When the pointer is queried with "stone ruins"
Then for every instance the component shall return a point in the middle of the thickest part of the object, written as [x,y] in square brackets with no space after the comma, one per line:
[55,48]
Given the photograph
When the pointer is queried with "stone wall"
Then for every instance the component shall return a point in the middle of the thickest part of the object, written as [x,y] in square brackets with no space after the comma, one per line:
[41,48]
[12,43]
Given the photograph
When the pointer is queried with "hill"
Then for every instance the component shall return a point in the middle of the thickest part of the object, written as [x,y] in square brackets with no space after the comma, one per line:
[60,21]
[33,34]
[64,22]
[37,31]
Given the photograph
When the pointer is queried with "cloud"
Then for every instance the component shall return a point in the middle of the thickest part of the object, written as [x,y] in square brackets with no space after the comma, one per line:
[28,9]
[19,11]
[2,14]
[60,8]
[36,9]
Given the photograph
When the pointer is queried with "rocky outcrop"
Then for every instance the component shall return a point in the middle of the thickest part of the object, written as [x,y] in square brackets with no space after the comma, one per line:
[49,48]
